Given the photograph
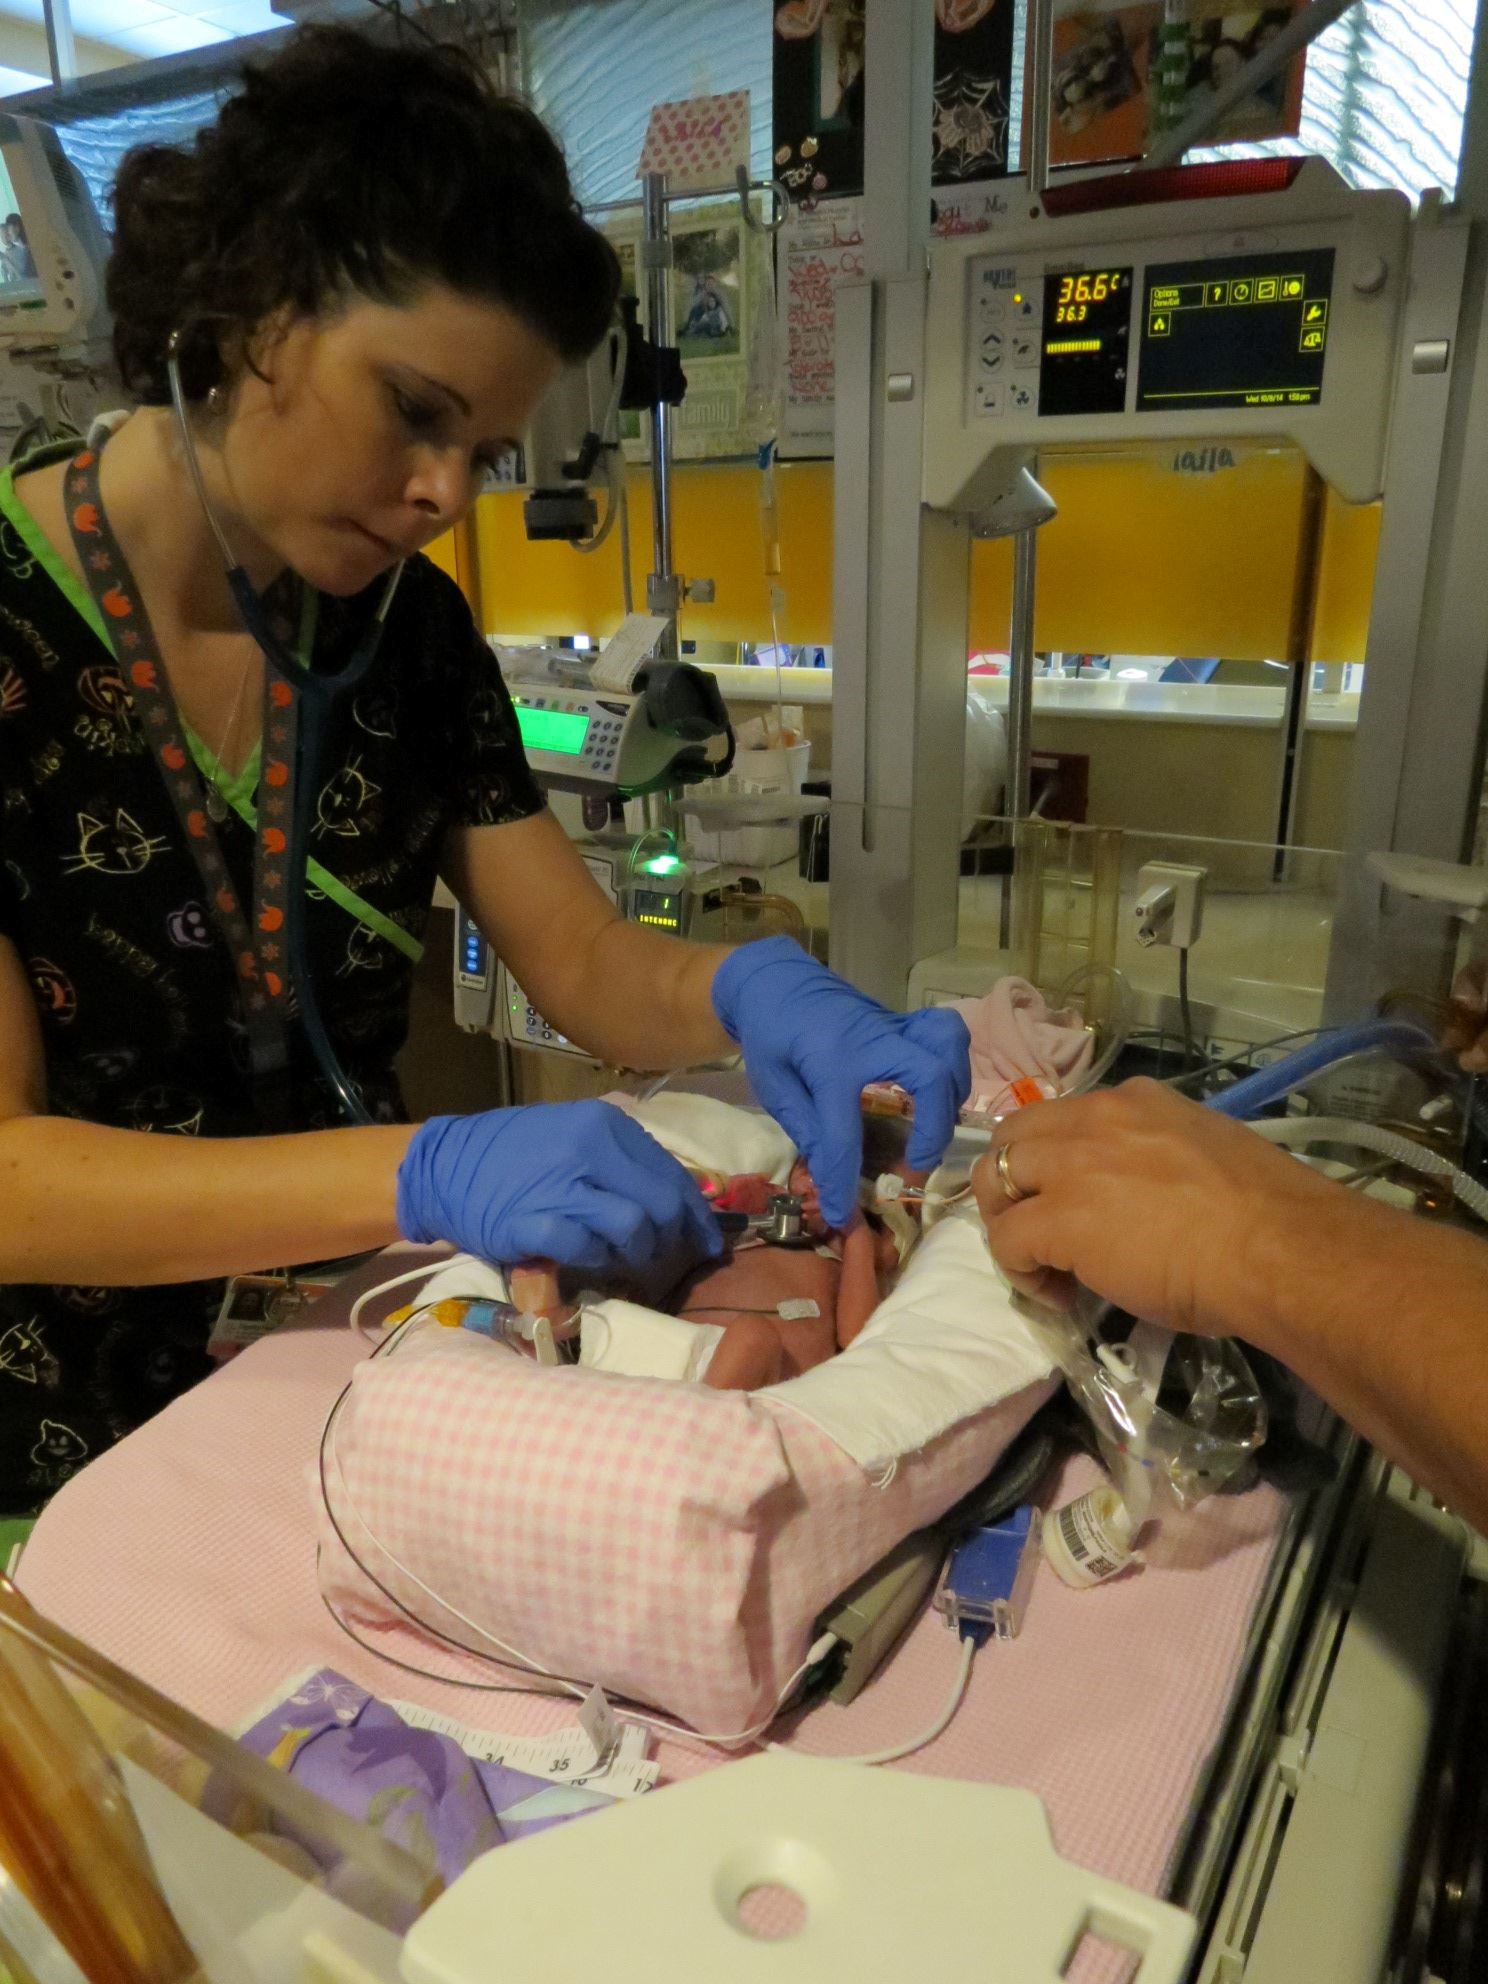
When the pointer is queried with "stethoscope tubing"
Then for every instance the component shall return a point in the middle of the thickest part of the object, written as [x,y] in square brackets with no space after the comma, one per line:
[319,694]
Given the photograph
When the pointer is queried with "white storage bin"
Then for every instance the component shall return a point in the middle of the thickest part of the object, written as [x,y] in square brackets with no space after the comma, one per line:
[781,769]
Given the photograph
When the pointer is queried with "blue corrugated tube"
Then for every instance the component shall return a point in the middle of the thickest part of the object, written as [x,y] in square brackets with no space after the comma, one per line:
[1269,1084]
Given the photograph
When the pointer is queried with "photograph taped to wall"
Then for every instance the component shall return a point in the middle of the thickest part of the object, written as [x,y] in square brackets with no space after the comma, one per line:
[818,88]
[1220,41]
[719,268]
[707,292]
[973,87]
[820,80]
[1125,72]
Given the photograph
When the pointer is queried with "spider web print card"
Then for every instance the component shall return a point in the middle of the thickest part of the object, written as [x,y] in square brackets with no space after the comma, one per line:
[819,82]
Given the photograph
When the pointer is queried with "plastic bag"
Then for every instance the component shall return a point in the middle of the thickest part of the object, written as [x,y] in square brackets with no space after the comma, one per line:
[1175,1417]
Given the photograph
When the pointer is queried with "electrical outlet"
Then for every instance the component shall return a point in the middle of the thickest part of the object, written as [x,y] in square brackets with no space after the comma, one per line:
[1170,904]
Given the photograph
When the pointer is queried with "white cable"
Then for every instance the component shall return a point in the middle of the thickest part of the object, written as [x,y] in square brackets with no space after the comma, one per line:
[589,544]
[1298,1132]
[608,450]
[937,1727]
[398,1281]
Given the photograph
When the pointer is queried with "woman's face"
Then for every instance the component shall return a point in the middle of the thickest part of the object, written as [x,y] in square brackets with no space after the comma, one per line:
[373,427]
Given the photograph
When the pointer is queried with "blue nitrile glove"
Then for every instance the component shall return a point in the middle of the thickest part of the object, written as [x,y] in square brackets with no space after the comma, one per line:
[579,1183]
[812,1043]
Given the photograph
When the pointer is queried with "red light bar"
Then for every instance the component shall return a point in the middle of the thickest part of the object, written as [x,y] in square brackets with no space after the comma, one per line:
[1228,179]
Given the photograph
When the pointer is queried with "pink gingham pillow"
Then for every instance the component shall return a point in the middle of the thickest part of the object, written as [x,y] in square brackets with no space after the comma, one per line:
[672,1542]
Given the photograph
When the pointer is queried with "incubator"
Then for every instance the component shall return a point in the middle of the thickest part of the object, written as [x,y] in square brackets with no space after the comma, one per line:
[54,323]
[1242,1716]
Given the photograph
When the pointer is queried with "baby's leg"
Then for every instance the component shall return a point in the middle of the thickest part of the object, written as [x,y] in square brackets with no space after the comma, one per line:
[749,1354]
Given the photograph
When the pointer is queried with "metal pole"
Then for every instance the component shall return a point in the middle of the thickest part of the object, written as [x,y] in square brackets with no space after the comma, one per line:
[61,47]
[1019,798]
[656,260]
[1299,661]
[1020,683]
[1040,90]
[1472,167]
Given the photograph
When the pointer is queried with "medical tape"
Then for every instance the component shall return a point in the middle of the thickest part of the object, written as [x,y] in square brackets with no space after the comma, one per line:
[565,1756]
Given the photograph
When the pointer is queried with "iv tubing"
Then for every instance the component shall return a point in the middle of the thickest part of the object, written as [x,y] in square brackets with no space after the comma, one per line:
[1267,1085]
[1298,1132]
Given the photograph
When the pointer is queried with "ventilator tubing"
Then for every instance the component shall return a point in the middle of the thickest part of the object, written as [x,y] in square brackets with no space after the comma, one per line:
[1300,1132]
[1267,1085]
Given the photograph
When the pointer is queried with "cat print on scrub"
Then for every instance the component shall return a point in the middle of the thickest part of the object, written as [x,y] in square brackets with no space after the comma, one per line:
[25,1357]
[365,951]
[376,712]
[345,802]
[117,847]
[171,1110]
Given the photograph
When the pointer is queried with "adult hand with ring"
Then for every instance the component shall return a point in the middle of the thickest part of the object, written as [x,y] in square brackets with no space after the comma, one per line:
[1005,1176]
[1167,1210]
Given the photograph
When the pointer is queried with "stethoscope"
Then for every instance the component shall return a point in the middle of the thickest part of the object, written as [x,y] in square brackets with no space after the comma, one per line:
[318,695]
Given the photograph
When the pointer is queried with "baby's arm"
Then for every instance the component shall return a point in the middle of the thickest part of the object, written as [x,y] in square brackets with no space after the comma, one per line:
[533,1288]
[857,1292]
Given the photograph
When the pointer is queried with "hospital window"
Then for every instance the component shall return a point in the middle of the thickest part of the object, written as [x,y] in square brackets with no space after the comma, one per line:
[594,70]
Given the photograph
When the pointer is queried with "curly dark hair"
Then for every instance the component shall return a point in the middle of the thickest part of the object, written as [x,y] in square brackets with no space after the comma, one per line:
[344,166]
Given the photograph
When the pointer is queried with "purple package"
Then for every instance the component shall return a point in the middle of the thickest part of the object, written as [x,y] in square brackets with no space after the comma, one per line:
[414,1786]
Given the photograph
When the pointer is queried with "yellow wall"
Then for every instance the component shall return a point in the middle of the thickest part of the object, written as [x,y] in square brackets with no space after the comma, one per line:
[1142,559]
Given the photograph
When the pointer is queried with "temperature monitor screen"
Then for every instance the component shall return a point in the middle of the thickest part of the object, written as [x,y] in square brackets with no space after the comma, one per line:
[552,730]
[1087,327]
[1236,330]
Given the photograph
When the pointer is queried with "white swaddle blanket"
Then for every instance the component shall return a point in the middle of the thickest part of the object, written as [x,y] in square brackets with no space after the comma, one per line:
[944,1342]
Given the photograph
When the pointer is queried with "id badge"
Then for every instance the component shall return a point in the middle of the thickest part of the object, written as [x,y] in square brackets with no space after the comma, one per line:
[255,1305]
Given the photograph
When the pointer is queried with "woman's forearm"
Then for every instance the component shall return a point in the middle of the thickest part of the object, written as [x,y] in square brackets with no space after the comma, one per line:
[83,1204]
[1386,1316]
[646,1000]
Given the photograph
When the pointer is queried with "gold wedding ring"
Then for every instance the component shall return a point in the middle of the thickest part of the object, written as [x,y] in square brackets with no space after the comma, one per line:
[1005,1174]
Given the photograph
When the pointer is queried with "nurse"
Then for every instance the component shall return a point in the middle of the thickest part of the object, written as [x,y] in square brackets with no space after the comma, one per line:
[368,270]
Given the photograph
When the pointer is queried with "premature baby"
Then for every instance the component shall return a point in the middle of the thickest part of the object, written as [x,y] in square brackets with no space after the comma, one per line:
[837,1279]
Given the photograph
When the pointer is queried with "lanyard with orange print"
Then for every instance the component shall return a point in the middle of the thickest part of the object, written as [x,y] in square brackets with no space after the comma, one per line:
[259,951]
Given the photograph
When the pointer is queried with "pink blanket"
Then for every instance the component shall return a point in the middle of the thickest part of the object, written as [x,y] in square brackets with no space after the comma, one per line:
[187,1553]
[1015,1037]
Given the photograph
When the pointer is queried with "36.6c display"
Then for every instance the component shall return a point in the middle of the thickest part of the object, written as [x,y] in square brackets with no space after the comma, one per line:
[1077,293]
[1086,335]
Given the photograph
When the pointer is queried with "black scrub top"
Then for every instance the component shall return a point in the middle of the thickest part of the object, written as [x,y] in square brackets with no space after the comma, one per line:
[138,1003]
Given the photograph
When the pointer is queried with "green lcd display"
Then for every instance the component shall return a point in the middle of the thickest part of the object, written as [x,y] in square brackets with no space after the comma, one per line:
[553,730]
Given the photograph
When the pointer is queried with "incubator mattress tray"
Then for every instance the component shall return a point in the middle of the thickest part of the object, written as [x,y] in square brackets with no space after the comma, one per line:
[187,1554]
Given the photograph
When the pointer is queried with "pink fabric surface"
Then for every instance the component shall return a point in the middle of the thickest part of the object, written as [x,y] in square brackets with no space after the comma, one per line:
[187,1554]
[672,1542]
